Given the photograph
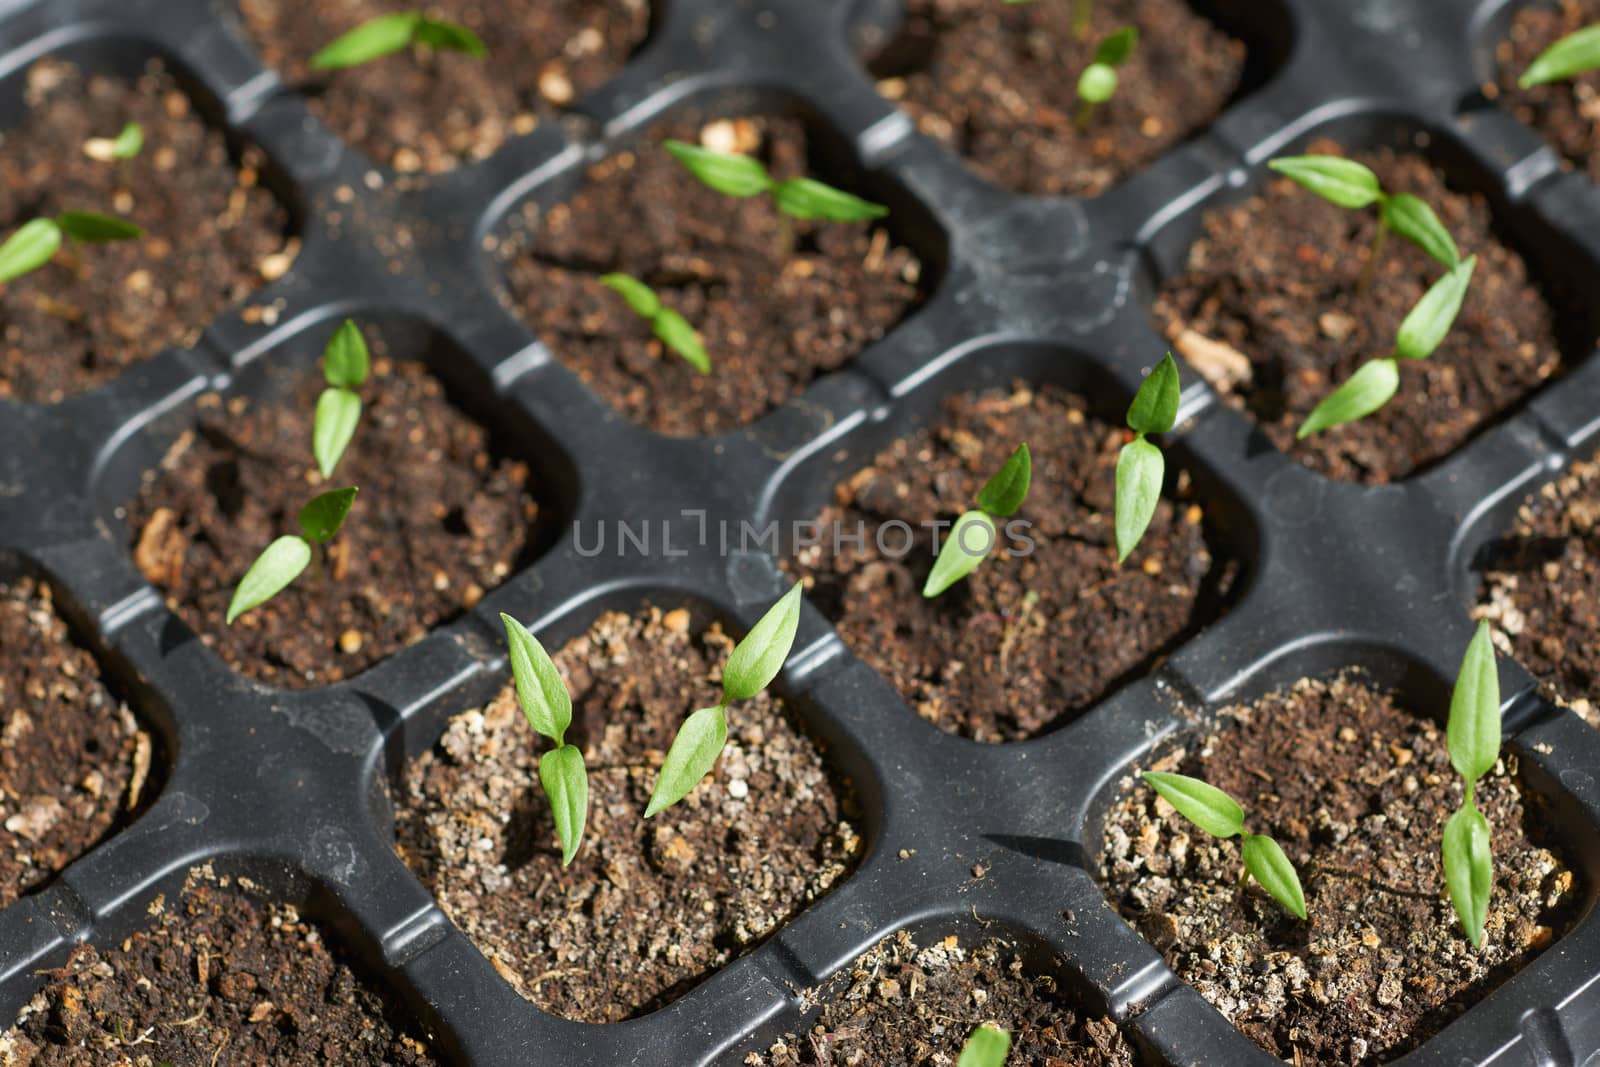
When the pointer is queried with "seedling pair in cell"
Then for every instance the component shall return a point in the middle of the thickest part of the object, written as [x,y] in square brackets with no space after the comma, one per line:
[36,242]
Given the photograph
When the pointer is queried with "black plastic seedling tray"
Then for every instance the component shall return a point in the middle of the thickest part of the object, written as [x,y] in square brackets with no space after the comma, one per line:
[290,787]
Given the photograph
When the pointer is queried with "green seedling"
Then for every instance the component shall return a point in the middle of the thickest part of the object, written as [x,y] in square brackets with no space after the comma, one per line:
[1576,53]
[1473,738]
[1220,815]
[987,1046]
[548,707]
[1098,81]
[1141,468]
[387,34]
[751,667]
[284,560]
[35,243]
[124,146]
[345,364]
[671,328]
[1001,496]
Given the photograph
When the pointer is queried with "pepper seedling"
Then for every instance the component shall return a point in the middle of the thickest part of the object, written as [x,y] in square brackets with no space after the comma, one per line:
[548,708]
[36,242]
[1220,815]
[284,560]
[387,34]
[1141,468]
[743,176]
[751,667]
[670,328]
[1000,497]
[345,364]
[1576,53]
[1098,81]
[124,146]
[987,1046]
[1472,737]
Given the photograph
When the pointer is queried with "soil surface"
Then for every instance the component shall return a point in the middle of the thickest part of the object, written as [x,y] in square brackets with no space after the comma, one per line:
[998,83]
[647,909]
[1269,310]
[1542,589]
[420,110]
[73,760]
[1031,637]
[904,1005]
[1566,112]
[440,519]
[212,231]
[220,976]
[1356,788]
[776,302]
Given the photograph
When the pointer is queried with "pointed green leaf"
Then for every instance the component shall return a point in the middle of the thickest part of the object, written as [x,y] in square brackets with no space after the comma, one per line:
[345,361]
[1140,471]
[1340,181]
[807,198]
[756,661]
[674,331]
[1201,803]
[1469,869]
[1574,54]
[968,545]
[639,296]
[128,142]
[692,755]
[1426,325]
[29,248]
[726,172]
[272,571]
[1367,390]
[1268,865]
[1473,733]
[988,1046]
[566,783]
[1097,83]
[372,39]
[1155,405]
[540,690]
[1117,46]
[91,227]
[1004,493]
[338,414]
[321,518]
[449,37]
[1414,220]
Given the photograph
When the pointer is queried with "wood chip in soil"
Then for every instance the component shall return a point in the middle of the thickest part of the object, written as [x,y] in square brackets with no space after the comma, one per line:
[1567,112]
[442,517]
[74,762]
[1541,588]
[220,976]
[772,319]
[647,909]
[1356,787]
[1271,285]
[1038,632]
[212,231]
[998,84]
[424,111]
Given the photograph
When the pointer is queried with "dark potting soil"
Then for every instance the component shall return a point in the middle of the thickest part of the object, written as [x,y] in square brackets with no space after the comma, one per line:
[1356,788]
[647,909]
[1541,588]
[430,111]
[1032,636]
[212,231]
[998,83]
[1566,112]
[777,302]
[73,760]
[1268,310]
[220,976]
[441,518]
[905,1005]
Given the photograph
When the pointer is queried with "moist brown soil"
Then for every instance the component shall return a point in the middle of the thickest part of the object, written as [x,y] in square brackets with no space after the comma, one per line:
[1542,588]
[212,232]
[774,311]
[998,83]
[1268,309]
[440,519]
[1356,788]
[73,760]
[1566,112]
[432,111]
[904,1005]
[1027,640]
[647,909]
[220,976]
